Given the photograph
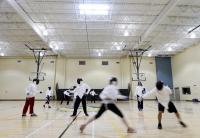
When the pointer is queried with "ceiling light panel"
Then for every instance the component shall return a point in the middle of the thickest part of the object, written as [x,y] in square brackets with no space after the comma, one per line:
[94,9]
[15,32]
[119,21]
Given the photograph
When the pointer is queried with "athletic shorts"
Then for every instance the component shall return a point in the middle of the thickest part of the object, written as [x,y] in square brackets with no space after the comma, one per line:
[110,106]
[171,108]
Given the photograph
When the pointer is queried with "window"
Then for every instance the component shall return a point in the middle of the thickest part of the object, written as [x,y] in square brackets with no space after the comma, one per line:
[51,61]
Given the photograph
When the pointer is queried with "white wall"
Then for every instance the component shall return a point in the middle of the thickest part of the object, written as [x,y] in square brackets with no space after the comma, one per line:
[60,77]
[93,73]
[97,75]
[14,77]
[186,71]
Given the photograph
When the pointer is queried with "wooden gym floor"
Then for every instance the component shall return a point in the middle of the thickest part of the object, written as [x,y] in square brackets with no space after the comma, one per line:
[50,123]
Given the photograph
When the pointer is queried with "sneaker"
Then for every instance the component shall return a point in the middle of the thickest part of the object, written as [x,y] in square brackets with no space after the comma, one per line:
[131,130]
[82,128]
[183,124]
[23,115]
[49,107]
[86,115]
[159,126]
[33,114]
[72,115]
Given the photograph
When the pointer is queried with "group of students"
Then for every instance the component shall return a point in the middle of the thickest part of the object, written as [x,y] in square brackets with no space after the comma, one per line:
[109,95]
[79,91]
[67,94]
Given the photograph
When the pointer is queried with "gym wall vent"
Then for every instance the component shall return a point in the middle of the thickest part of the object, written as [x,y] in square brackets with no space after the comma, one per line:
[104,63]
[82,62]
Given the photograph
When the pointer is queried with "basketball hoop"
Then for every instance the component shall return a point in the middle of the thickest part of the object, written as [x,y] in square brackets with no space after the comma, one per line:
[39,54]
[39,75]
[140,77]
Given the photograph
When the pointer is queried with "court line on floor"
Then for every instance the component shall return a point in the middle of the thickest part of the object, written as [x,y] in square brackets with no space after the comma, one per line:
[43,126]
[93,127]
[69,125]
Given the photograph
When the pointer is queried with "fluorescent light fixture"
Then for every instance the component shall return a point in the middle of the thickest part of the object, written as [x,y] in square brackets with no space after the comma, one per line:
[53,45]
[99,54]
[126,33]
[94,9]
[56,47]
[2,54]
[41,54]
[192,35]
[45,33]
[169,49]
[118,47]
[123,26]
[173,45]
[149,55]
[90,12]
[41,27]
[115,43]
[43,30]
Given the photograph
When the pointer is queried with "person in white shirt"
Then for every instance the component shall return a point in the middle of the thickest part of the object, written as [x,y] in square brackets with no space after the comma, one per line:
[48,95]
[92,93]
[66,96]
[139,91]
[109,94]
[31,91]
[163,93]
[80,96]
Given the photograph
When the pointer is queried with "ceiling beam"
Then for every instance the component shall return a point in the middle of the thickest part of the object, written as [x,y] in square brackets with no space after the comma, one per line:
[28,20]
[157,21]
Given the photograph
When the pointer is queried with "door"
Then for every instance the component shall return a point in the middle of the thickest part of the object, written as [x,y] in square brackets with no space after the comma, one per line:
[177,94]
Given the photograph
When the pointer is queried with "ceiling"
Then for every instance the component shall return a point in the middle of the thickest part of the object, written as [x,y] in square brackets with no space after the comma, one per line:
[92,28]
